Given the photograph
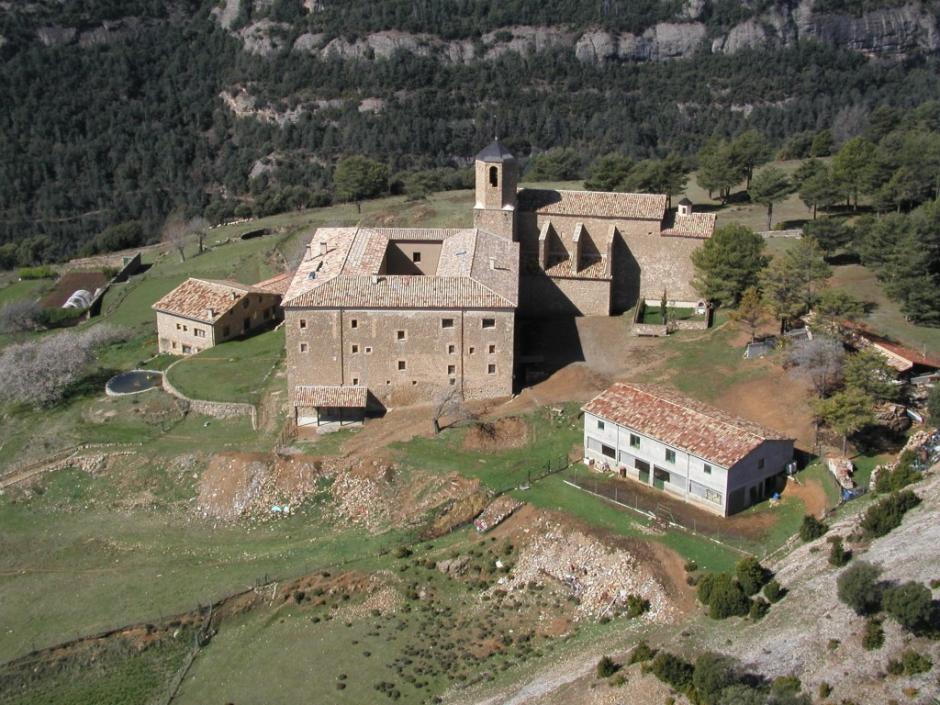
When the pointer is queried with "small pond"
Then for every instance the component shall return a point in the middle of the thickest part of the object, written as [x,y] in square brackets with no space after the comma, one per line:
[133,382]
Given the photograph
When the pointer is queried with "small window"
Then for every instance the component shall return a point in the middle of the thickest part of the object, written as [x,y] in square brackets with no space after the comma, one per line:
[355,349]
[634,440]
[452,381]
[179,327]
[760,464]
[368,350]
[185,329]
[489,323]
[492,349]
[491,369]
[451,369]
[399,335]
[174,345]
[670,455]
[608,451]
[302,323]
[402,365]
[447,323]
[303,347]
[708,469]
[451,349]
[415,256]
[600,425]
[199,332]
[470,351]
[353,323]
[187,349]
[355,381]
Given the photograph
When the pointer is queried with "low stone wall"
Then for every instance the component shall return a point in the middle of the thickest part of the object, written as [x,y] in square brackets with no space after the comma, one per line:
[215,409]
[654,329]
[660,329]
[793,233]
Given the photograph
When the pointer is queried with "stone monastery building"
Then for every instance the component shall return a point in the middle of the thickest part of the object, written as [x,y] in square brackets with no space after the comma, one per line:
[399,316]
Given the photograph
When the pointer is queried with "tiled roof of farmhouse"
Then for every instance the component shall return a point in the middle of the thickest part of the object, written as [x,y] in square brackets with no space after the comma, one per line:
[599,204]
[681,422]
[343,268]
[346,397]
[277,284]
[195,298]
[698,225]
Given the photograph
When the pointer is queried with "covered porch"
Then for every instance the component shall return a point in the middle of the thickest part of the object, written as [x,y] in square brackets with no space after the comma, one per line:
[329,407]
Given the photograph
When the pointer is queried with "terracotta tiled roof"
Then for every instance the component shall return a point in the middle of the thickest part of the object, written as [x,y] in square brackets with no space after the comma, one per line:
[593,270]
[698,225]
[343,268]
[347,397]
[195,298]
[277,284]
[681,422]
[600,204]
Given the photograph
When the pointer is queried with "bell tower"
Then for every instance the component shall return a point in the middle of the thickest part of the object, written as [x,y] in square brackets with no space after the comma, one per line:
[497,176]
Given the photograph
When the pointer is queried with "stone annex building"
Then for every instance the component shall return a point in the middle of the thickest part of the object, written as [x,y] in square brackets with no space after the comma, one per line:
[397,316]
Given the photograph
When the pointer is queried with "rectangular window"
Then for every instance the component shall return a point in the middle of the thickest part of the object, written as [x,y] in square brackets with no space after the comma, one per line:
[174,345]
[600,425]
[353,323]
[355,349]
[355,381]
[453,381]
[489,322]
[187,349]
[491,369]
[302,322]
[303,347]
[185,329]
[452,369]
[670,455]
[451,349]
[399,335]
[401,365]
[470,351]
[368,350]
[199,332]
[492,349]
[708,469]
[634,440]
[415,256]
[179,327]
[608,451]
[447,323]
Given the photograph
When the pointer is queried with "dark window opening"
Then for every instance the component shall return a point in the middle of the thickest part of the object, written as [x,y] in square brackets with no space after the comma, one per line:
[494,176]
[608,451]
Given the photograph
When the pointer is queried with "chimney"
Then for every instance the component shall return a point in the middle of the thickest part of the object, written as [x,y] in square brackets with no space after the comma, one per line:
[375,278]
[322,247]
[210,313]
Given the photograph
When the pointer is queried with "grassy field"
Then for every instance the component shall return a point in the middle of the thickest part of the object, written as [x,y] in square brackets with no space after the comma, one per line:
[238,370]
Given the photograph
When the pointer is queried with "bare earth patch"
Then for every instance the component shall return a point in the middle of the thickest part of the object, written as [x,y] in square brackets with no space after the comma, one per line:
[500,434]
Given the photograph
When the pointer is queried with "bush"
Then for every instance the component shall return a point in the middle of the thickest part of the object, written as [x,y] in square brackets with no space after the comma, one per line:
[910,664]
[672,670]
[42,272]
[20,316]
[838,555]
[751,575]
[759,608]
[903,475]
[811,528]
[641,652]
[713,673]
[911,604]
[773,591]
[727,599]
[636,605]
[858,587]
[825,690]
[887,514]
[606,667]
[873,638]
[706,586]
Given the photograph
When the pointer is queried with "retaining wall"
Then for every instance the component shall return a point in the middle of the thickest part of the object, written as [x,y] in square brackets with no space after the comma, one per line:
[215,409]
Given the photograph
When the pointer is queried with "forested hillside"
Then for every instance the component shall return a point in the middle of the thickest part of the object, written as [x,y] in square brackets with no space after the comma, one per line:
[112,112]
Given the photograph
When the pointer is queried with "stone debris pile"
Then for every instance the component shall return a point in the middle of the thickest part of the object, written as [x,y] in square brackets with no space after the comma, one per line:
[497,512]
[598,576]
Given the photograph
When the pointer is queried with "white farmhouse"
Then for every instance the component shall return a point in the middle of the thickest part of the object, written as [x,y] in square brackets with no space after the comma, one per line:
[691,450]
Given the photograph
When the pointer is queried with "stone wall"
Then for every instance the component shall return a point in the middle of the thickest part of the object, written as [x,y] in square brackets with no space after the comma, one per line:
[544,296]
[215,409]
[403,357]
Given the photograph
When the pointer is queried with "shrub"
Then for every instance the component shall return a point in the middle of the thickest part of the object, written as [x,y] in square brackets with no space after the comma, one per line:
[705,588]
[773,591]
[911,604]
[672,670]
[690,566]
[858,587]
[903,475]
[751,575]
[910,664]
[838,555]
[606,667]
[759,608]
[713,673]
[637,605]
[42,272]
[825,690]
[887,514]
[741,694]
[873,638]
[727,599]
[641,652]
[402,552]
[811,528]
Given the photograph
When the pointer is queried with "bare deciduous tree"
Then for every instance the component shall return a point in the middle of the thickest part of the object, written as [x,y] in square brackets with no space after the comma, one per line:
[20,316]
[449,403]
[819,361]
[177,231]
[39,372]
